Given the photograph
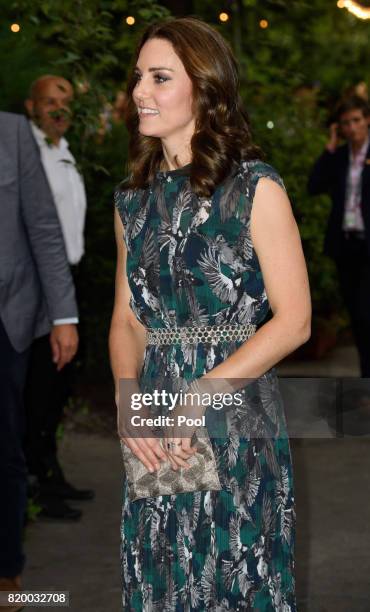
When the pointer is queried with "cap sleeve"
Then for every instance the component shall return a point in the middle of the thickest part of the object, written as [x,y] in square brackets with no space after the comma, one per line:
[259,169]
[121,197]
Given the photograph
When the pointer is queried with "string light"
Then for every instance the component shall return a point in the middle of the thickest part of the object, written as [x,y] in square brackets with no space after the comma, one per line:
[355,8]
[130,20]
[15,27]
[223,17]
[264,24]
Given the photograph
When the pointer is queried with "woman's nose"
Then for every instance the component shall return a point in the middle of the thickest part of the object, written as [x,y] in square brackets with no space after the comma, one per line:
[142,89]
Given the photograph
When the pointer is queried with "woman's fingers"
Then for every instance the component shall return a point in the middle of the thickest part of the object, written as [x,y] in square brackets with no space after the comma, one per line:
[187,448]
[166,442]
[141,455]
[179,462]
[168,454]
[144,452]
[150,452]
[178,454]
[155,445]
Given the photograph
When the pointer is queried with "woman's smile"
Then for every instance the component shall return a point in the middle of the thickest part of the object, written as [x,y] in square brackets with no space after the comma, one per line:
[145,112]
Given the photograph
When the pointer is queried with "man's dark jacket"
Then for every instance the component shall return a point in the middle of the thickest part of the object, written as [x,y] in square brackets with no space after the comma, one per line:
[329,175]
[36,285]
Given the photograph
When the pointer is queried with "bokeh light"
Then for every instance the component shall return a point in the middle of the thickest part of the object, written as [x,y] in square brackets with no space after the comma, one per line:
[356,8]
[223,17]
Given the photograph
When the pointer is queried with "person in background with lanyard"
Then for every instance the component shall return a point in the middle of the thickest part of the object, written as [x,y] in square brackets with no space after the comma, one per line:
[344,172]
[47,389]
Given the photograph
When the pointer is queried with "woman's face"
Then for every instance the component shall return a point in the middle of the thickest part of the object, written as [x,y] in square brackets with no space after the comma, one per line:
[163,93]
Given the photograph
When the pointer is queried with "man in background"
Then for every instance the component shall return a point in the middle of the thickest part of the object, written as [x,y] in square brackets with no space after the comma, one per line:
[47,388]
[34,279]
[343,171]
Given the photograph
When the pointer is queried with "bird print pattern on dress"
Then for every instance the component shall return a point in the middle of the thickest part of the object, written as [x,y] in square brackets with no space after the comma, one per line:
[191,262]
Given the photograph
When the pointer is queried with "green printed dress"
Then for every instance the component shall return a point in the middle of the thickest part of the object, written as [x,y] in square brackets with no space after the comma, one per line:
[191,262]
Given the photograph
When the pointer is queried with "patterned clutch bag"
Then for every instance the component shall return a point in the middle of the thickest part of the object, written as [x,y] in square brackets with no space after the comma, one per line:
[201,476]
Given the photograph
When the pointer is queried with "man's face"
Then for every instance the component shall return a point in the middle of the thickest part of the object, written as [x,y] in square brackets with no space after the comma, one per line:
[354,126]
[50,107]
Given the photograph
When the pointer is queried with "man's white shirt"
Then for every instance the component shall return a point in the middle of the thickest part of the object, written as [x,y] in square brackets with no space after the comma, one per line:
[69,195]
[68,191]
[352,218]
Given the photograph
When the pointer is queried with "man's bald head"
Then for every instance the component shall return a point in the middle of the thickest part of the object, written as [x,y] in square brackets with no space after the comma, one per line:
[48,105]
[38,86]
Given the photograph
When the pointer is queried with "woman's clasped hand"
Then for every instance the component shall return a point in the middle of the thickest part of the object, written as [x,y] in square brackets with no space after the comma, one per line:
[169,443]
[139,439]
[186,419]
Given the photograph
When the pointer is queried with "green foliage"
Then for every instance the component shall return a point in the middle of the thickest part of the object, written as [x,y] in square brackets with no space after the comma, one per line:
[291,147]
[89,43]
[92,46]
[290,72]
[32,510]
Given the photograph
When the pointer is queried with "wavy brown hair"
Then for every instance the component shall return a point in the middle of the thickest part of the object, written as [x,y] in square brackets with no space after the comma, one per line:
[222,133]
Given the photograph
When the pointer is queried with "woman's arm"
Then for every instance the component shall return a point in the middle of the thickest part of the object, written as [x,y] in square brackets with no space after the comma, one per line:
[127,340]
[277,242]
[127,336]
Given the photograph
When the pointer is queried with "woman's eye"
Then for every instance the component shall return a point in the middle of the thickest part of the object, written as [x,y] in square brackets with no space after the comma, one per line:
[159,78]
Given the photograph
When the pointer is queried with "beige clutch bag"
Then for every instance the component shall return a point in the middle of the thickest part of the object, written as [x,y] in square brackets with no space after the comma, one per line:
[201,476]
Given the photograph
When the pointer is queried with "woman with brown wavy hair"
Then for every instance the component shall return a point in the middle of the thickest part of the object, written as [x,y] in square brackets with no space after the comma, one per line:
[210,246]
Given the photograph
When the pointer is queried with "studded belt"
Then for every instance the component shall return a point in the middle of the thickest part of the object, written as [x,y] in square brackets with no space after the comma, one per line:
[193,335]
